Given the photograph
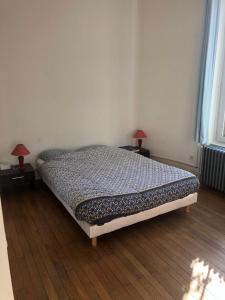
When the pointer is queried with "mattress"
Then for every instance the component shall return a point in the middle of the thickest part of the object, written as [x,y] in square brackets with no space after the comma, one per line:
[102,183]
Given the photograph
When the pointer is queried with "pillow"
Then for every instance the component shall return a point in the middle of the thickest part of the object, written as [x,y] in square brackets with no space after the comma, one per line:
[90,147]
[50,154]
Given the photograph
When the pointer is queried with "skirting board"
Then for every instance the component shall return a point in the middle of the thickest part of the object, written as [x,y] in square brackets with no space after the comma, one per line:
[97,230]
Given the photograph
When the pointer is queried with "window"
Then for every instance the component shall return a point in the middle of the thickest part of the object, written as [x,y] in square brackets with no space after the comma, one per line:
[220,132]
[218,118]
[220,114]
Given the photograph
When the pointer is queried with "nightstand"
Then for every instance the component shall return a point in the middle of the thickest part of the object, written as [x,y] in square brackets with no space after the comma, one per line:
[142,151]
[12,177]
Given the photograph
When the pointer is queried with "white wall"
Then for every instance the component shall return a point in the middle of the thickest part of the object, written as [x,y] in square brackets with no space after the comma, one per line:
[170,37]
[5,277]
[67,73]
[73,73]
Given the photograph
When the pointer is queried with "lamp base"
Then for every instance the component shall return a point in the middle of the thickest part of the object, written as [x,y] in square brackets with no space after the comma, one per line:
[21,163]
[139,143]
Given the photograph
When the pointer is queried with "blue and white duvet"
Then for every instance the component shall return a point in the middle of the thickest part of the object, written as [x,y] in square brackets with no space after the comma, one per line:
[103,183]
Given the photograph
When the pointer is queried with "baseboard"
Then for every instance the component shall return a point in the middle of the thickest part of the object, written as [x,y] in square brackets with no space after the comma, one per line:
[177,164]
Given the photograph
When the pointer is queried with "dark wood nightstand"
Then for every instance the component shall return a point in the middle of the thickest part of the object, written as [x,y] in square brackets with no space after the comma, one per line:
[142,151]
[12,177]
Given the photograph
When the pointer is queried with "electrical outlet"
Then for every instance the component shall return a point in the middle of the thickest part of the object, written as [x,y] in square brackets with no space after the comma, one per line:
[191,157]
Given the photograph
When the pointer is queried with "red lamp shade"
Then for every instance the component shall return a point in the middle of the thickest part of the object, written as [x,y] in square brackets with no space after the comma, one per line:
[20,150]
[139,134]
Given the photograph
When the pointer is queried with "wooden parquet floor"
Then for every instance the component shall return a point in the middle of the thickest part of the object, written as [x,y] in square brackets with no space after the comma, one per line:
[174,256]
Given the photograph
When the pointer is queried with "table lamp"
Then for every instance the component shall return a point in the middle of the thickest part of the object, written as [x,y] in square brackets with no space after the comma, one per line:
[20,150]
[139,135]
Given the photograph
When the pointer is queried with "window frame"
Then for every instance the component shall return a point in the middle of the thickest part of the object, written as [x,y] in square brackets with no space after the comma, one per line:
[220,130]
[218,114]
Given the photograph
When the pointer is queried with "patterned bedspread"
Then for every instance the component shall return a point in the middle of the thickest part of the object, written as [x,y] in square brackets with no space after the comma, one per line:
[103,183]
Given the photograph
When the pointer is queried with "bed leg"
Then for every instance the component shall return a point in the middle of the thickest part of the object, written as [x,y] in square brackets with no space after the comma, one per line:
[94,242]
[188,208]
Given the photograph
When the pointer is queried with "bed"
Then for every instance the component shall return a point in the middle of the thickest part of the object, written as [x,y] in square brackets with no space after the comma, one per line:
[106,188]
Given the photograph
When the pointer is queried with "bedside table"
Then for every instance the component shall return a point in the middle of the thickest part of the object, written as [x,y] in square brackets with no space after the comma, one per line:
[143,151]
[12,177]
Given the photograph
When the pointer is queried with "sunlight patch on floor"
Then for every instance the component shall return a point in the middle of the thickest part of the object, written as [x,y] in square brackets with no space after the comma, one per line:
[205,283]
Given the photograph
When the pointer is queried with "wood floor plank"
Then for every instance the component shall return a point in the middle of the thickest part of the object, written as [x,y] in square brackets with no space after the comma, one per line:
[120,285]
[176,256]
[156,288]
